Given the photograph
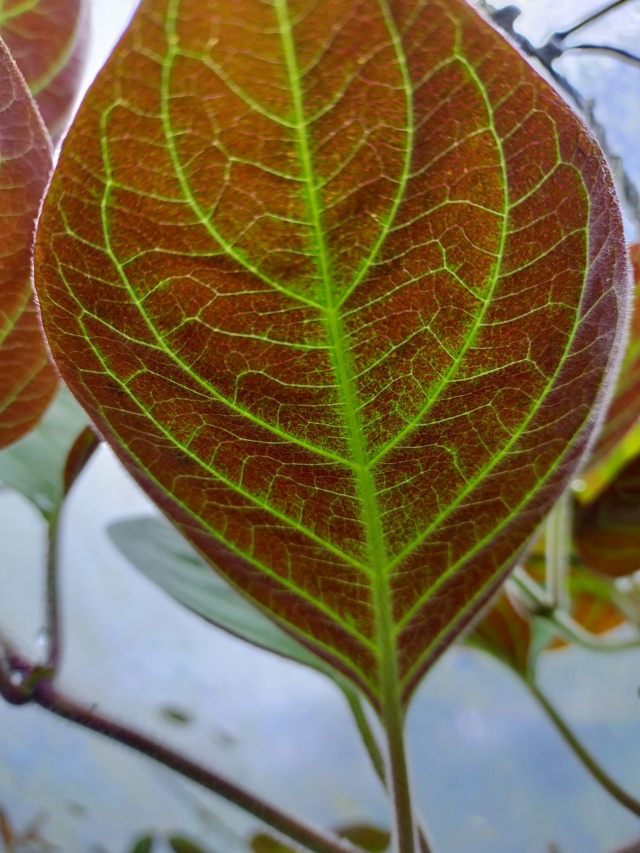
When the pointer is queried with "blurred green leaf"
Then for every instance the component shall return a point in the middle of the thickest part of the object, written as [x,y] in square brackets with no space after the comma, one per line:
[143,845]
[370,838]
[175,715]
[180,844]
[35,465]
[161,553]
[263,843]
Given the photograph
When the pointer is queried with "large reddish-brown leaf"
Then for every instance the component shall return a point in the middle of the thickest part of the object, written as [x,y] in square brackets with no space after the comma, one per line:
[27,380]
[48,40]
[340,283]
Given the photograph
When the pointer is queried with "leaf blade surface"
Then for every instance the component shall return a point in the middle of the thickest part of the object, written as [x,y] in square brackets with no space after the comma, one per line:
[27,380]
[48,40]
[332,312]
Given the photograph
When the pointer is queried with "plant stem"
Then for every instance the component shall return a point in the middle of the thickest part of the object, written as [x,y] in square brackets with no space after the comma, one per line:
[53,592]
[557,550]
[618,52]
[594,17]
[41,691]
[366,733]
[313,840]
[77,459]
[398,773]
[589,762]
[373,750]
[540,605]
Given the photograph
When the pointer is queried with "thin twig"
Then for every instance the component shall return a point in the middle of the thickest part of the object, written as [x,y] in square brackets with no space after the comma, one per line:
[589,762]
[366,733]
[11,678]
[546,55]
[35,686]
[77,459]
[594,17]
[53,593]
[618,52]
[539,603]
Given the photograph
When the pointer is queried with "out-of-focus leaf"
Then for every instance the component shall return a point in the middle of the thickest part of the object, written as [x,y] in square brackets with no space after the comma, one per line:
[35,465]
[6,832]
[81,452]
[627,597]
[166,558]
[370,838]
[175,715]
[619,440]
[180,844]
[27,380]
[593,606]
[515,635]
[263,843]
[505,633]
[30,841]
[48,40]
[607,531]
[143,845]
[340,283]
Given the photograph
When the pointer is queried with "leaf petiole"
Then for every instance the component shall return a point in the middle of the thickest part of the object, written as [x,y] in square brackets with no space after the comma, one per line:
[558,551]
[36,686]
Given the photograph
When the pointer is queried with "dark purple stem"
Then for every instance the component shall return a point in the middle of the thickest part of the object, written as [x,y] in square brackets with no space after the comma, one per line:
[36,686]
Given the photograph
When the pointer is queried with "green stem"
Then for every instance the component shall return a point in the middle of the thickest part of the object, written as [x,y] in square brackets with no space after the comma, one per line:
[53,592]
[77,459]
[539,602]
[557,550]
[398,774]
[366,733]
[374,752]
[589,762]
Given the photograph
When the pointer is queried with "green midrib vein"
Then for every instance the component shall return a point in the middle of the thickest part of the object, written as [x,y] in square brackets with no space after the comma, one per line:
[387,653]
[21,8]
[10,320]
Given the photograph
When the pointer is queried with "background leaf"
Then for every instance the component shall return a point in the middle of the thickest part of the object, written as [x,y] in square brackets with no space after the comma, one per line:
[48,40]
[505,632]
[339,283]
[143,845]
[593,604]
[27,380]
[366,837]
[263,843]
[607,530]
[160,553]
[181,844]
[35,465]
